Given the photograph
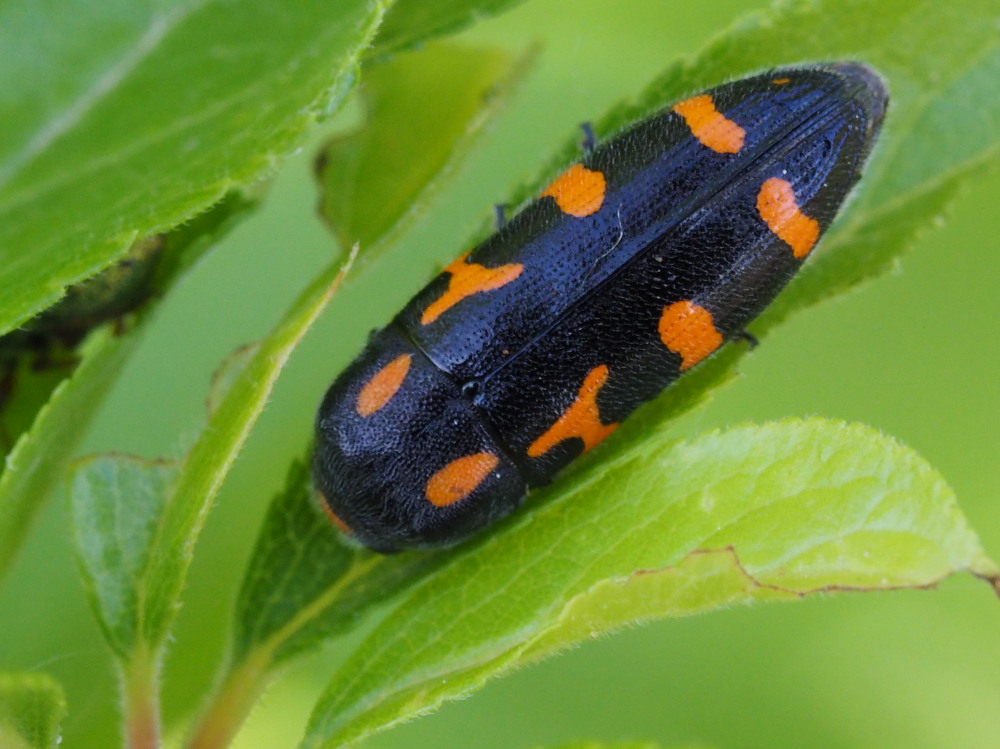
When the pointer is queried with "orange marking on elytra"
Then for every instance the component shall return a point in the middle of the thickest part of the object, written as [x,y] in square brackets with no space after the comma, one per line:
[468,279]
[459,479]
[688,329]
[582,419]
[578,191]
[340,524]
[382,386]
[777,206]
[781,81]
[709,125]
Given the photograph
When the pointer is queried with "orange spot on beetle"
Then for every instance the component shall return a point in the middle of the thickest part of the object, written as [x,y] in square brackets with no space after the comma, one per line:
[459,479]
[688,329]
[776,205]
[578,191]
[340,524]
[382,386]
[709,125]
[781,81]
[468,279]
[582,419]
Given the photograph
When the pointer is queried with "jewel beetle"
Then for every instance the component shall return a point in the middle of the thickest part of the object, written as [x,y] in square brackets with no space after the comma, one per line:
[631,267]
[114,292]
[48,341]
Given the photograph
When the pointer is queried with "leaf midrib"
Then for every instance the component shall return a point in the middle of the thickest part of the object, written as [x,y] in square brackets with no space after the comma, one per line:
[71,114]
[38,191]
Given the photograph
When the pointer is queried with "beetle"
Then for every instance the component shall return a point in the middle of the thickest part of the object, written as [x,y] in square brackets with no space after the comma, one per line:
[114,292]
[49,340]
[626,271]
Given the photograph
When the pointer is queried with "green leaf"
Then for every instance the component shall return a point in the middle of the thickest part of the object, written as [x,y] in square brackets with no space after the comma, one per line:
[215,450]
[602,745]
[413,137]
[752,513]
[184,245]
[622,745]
[32,706]
[38,459]
[124,118]
[304,585]
[411,22]
[136,602]
[297,552]
[117,503]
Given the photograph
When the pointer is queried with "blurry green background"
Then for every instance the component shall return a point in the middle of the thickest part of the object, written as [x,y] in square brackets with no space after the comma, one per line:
[915,354]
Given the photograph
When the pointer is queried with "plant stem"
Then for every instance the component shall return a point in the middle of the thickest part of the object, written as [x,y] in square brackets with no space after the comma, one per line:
[140,687]
[232,701]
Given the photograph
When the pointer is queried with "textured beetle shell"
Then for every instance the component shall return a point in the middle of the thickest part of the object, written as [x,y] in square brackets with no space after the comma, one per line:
[664,242]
